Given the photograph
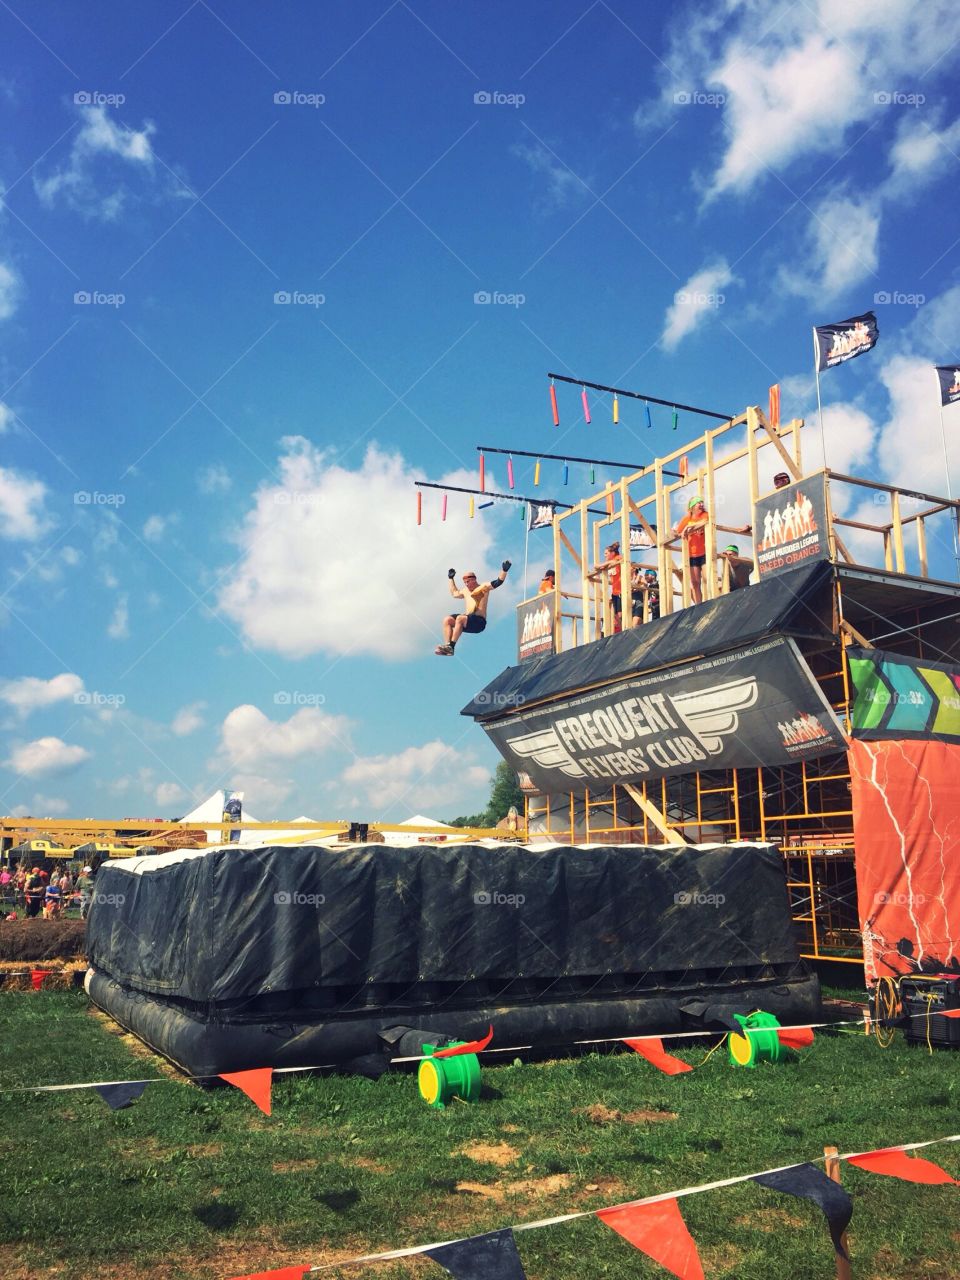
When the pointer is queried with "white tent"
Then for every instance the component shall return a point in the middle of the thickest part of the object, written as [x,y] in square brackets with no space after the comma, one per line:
[397,835]
[211,810]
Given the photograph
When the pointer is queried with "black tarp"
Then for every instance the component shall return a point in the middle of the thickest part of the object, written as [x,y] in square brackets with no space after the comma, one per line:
[794,603]
[303,955]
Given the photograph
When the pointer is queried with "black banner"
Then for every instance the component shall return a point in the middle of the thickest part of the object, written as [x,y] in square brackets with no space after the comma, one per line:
[535,629]
[540,514]
[949,376]
[757,705]
[790,526]
[835,343]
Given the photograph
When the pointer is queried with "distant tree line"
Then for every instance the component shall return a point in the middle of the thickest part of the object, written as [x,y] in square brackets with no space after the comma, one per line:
[504,793]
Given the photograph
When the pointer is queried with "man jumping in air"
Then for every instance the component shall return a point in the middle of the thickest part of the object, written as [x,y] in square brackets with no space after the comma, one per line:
[474,619]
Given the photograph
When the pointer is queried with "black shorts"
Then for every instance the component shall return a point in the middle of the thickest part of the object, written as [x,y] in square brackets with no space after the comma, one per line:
[615,603]
[697,562]
[474,623]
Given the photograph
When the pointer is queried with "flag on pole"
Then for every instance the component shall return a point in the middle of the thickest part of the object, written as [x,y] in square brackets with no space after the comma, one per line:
[949,376]
[835,343]
[541,514]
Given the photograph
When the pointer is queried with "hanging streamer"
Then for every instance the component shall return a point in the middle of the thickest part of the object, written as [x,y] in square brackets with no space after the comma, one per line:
[676,419]
[523,510]
[471,508]
[647,418]
[566,473]
[482,484]
[510,472]
[443,507]
[553,405]
[586,407]
[616,410]
[536,472]
[773,415]
[419,507]
[593,476]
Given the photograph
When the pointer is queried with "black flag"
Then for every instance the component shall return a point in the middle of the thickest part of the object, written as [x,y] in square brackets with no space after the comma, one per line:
[541,514]
[810,1183]
[949,376]
[834,343]
[118,1096]
[490,1257]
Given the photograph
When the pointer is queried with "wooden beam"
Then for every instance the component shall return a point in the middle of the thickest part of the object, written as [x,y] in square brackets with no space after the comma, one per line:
[854,634]
[570,547]
[670,835]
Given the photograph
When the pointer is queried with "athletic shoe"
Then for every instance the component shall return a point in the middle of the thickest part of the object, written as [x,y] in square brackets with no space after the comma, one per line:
[444,650]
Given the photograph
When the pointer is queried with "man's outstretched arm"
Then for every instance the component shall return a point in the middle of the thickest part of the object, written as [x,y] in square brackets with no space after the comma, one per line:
[504,570]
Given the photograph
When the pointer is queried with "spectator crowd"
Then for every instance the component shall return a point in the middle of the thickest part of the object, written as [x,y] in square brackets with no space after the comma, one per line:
[33,892]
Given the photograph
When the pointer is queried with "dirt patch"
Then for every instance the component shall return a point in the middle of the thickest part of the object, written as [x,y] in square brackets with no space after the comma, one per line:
[770,1220]
[722,1260]
[365,1162]
[498,1153]
[293,1166]
[598,1113]
[42,939]
[547,1186]
[494,1191]
[204,1150]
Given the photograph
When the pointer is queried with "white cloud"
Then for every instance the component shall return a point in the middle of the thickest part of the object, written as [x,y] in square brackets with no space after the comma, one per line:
[261,795]
[188,719]
[119,626]
[154,527]
[910,440]
[30,693]
[299,564]
[22,515]
[169,794]
[100,139]
[10,290]
[562,186]
[416,778]
[840,249]
[798,80]
[214,479]
[7,417]
[48,806]
[919,153]
[250,739]
[46,756]
[701,295]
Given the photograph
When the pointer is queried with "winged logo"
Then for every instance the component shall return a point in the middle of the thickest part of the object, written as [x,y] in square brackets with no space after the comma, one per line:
[712,713]
[547,750]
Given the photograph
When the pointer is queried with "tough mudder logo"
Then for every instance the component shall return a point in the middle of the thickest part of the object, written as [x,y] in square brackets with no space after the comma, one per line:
[791,526]
[641,734]
[802,732]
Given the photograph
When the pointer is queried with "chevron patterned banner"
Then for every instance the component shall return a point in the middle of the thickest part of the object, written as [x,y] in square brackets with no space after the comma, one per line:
[901,697]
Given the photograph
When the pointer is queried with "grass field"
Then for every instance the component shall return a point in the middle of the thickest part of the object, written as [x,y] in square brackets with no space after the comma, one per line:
[195,1182]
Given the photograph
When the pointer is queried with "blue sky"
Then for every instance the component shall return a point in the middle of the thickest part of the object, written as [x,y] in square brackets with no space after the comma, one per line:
[212,572]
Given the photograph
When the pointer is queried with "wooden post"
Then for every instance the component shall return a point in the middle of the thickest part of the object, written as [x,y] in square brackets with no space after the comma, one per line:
[922,547]
[585,583]
[708,575]
[844,1267]
[900,559]
[626,571]
[663,536]
[557,597]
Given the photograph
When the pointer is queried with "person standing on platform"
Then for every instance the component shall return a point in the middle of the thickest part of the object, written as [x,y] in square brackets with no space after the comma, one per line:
[693,528]
[613,553]
[547,582]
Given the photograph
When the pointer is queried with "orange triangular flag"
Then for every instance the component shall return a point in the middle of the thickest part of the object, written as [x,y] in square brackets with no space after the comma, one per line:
[285,1273]
[897,1164]
[948,1013]
[255,1084]
[472,1046]
[795,1037]
[652,1049]
[659,1231]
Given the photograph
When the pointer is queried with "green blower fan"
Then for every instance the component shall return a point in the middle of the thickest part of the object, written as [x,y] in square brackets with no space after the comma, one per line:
[440,1080]
[759,1043]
